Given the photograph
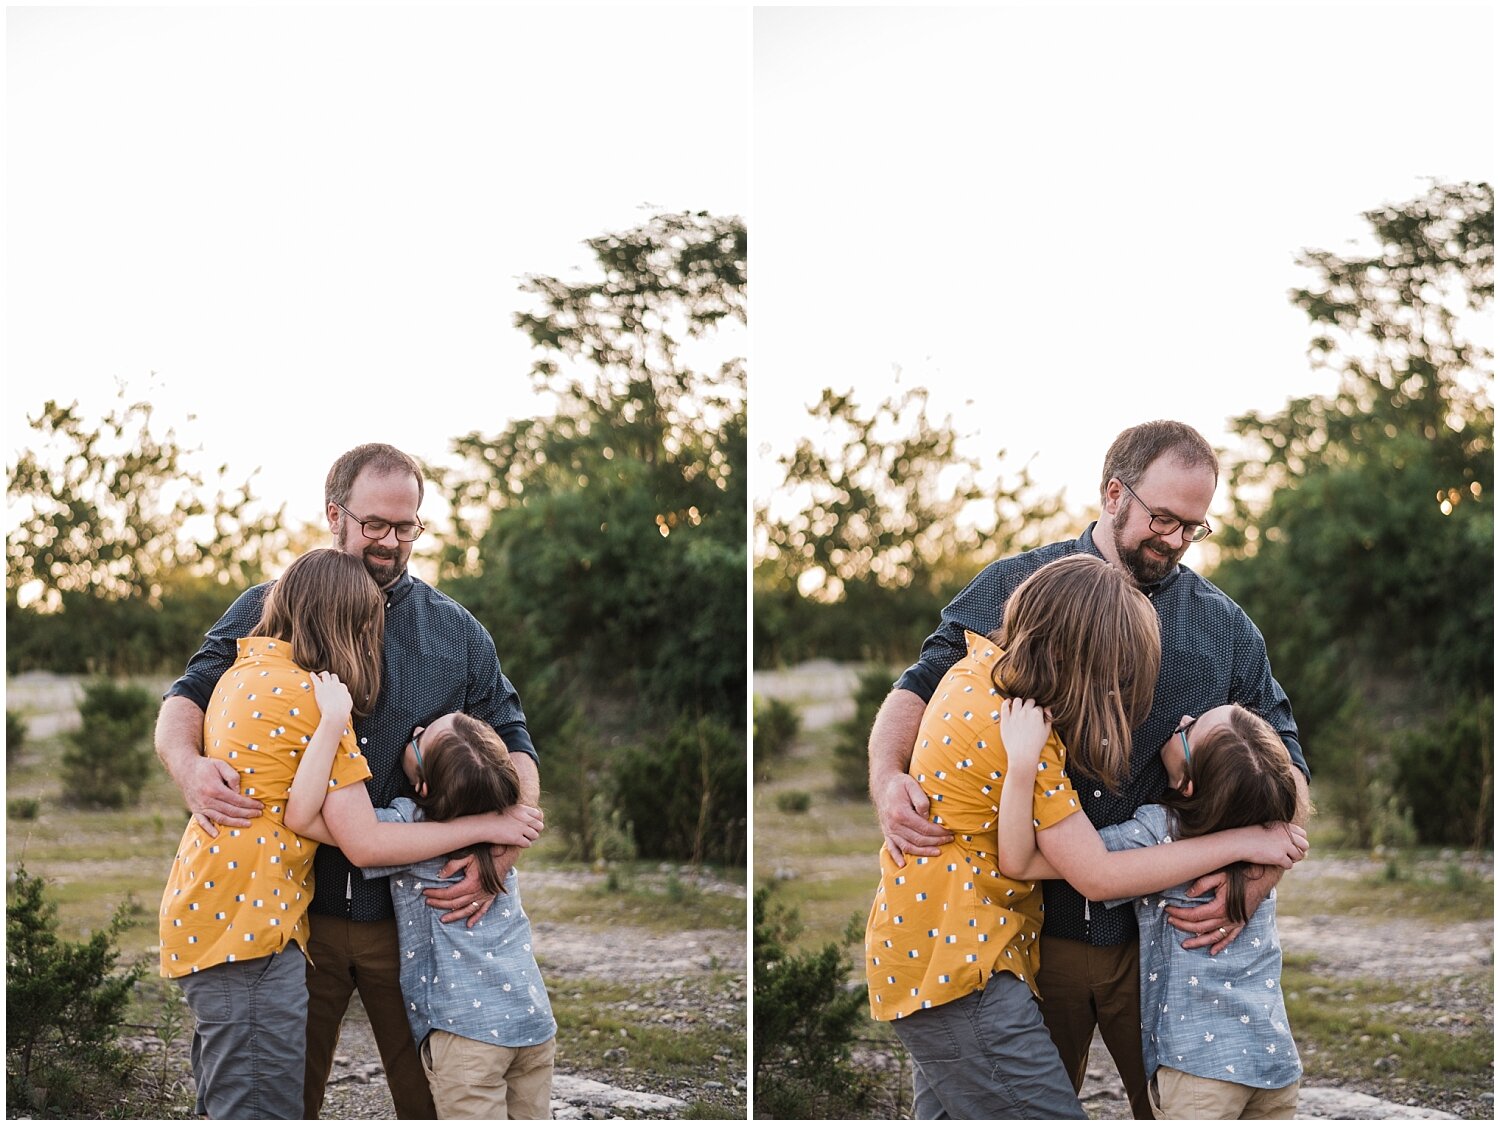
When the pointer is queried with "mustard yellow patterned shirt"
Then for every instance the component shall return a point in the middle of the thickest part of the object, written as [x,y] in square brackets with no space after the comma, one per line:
[244,893]
[942,925]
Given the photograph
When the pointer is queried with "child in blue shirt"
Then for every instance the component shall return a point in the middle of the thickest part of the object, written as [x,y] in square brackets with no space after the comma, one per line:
[475,999]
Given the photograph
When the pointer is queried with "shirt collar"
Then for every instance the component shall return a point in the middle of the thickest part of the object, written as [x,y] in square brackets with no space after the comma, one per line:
[396,593]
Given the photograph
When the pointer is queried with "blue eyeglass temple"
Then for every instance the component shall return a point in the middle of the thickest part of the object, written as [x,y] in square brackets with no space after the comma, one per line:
[1187,752]
[416,750]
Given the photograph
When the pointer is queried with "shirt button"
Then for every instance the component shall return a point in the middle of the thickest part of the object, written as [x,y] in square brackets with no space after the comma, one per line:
[366,741]
[1098,793]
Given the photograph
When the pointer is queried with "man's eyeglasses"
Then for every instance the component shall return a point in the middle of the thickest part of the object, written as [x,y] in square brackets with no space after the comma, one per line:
[1181,732]
[1166,525]
[377,529]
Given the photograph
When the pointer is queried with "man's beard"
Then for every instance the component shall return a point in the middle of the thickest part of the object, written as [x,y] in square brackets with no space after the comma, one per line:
[384,571]
[1146,569]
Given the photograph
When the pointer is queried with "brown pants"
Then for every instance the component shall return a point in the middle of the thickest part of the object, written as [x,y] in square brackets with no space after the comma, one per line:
[1086,986]
[487,1081]
[1176,1094]
[344,956]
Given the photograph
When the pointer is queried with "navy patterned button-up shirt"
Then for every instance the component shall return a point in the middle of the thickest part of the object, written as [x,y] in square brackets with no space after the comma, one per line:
[1211,654]
[438,659]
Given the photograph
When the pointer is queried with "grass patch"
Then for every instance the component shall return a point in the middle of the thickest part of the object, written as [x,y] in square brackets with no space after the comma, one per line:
[639,895]
[661,1032]
[1352,1029]
[1434,890]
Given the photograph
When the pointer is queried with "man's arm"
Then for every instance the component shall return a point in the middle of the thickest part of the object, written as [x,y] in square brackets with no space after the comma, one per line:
[210,787]
[899,801]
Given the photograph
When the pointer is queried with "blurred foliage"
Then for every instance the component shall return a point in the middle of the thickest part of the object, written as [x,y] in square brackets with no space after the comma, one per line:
[806,1021]
[604,545]
[892,521]
[684,794]
[65,1007]
[851,768]
[109,759]
[776,726]
[106,508]
[15,734]
[1363,538]
[121,561]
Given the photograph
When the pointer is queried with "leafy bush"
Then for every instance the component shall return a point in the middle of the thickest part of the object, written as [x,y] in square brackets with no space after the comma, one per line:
[851,769]
[794,801]
[15,734]
[24,809]
[805,1022]
[1429,762]
[64,1005]
[684,794]
[776,725]
[109,758]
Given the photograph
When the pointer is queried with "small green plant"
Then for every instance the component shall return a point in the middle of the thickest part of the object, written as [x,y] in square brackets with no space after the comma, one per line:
[776,726]
[64,1005]
[24,809]
[108,760]
[15,734]
[794,801]
[684,794]
[805,1022]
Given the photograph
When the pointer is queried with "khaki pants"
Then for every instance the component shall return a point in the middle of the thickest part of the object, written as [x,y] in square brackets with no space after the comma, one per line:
[487,1081]
[1178,1095]
[344,956]
[1085,986]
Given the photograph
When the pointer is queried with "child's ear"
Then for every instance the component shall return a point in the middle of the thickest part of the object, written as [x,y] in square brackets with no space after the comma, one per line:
[422,789]
[1187,788]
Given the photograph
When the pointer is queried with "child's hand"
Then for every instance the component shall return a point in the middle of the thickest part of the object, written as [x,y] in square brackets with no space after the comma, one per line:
[1280,844]
[1024,729]
[519,825]
[335,705]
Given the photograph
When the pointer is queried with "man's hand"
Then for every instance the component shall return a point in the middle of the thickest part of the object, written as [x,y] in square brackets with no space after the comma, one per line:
[467,900]
[211,788]
[1208,923]
[902,807]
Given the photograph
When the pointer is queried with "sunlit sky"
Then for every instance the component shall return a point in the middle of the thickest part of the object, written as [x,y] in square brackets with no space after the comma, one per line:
[1064,219]
[304,225]
[309,221]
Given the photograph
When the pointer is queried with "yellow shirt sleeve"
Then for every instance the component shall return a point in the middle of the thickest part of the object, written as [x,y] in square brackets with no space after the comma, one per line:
[1054,797]
[349,766]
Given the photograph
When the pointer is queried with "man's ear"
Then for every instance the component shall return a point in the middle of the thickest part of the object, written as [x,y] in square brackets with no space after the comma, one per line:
[1113,492]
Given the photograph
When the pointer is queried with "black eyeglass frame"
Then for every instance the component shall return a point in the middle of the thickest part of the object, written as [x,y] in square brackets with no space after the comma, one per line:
[388,526]
[1193,527]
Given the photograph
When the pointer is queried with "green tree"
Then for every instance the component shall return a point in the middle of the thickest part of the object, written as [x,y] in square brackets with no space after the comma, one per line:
[605,543]
[109,758]
[119,552]
[806,1020]
[64,1005]
[1365,519]
[892,519]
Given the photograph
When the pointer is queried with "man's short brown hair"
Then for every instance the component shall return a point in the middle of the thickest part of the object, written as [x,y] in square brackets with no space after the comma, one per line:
[372,455]
[1133,452]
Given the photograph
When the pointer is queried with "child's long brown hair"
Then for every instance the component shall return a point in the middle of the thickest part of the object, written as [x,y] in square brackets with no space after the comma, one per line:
[1242,775]
[468,770]
[329,609]
[1082,640]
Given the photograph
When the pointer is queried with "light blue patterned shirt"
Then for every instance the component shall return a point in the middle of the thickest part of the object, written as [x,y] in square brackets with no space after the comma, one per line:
[1218,1017]
[480,982]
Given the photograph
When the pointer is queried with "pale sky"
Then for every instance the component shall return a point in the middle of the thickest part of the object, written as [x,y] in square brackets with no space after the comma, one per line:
[1064,219]
[310,221]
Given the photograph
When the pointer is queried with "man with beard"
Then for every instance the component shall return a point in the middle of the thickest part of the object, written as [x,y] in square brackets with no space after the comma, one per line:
[1159,479]
[437,659]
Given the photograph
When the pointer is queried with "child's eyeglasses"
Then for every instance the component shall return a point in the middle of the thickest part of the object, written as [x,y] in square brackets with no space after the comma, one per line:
[1181,732]
[416,750]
